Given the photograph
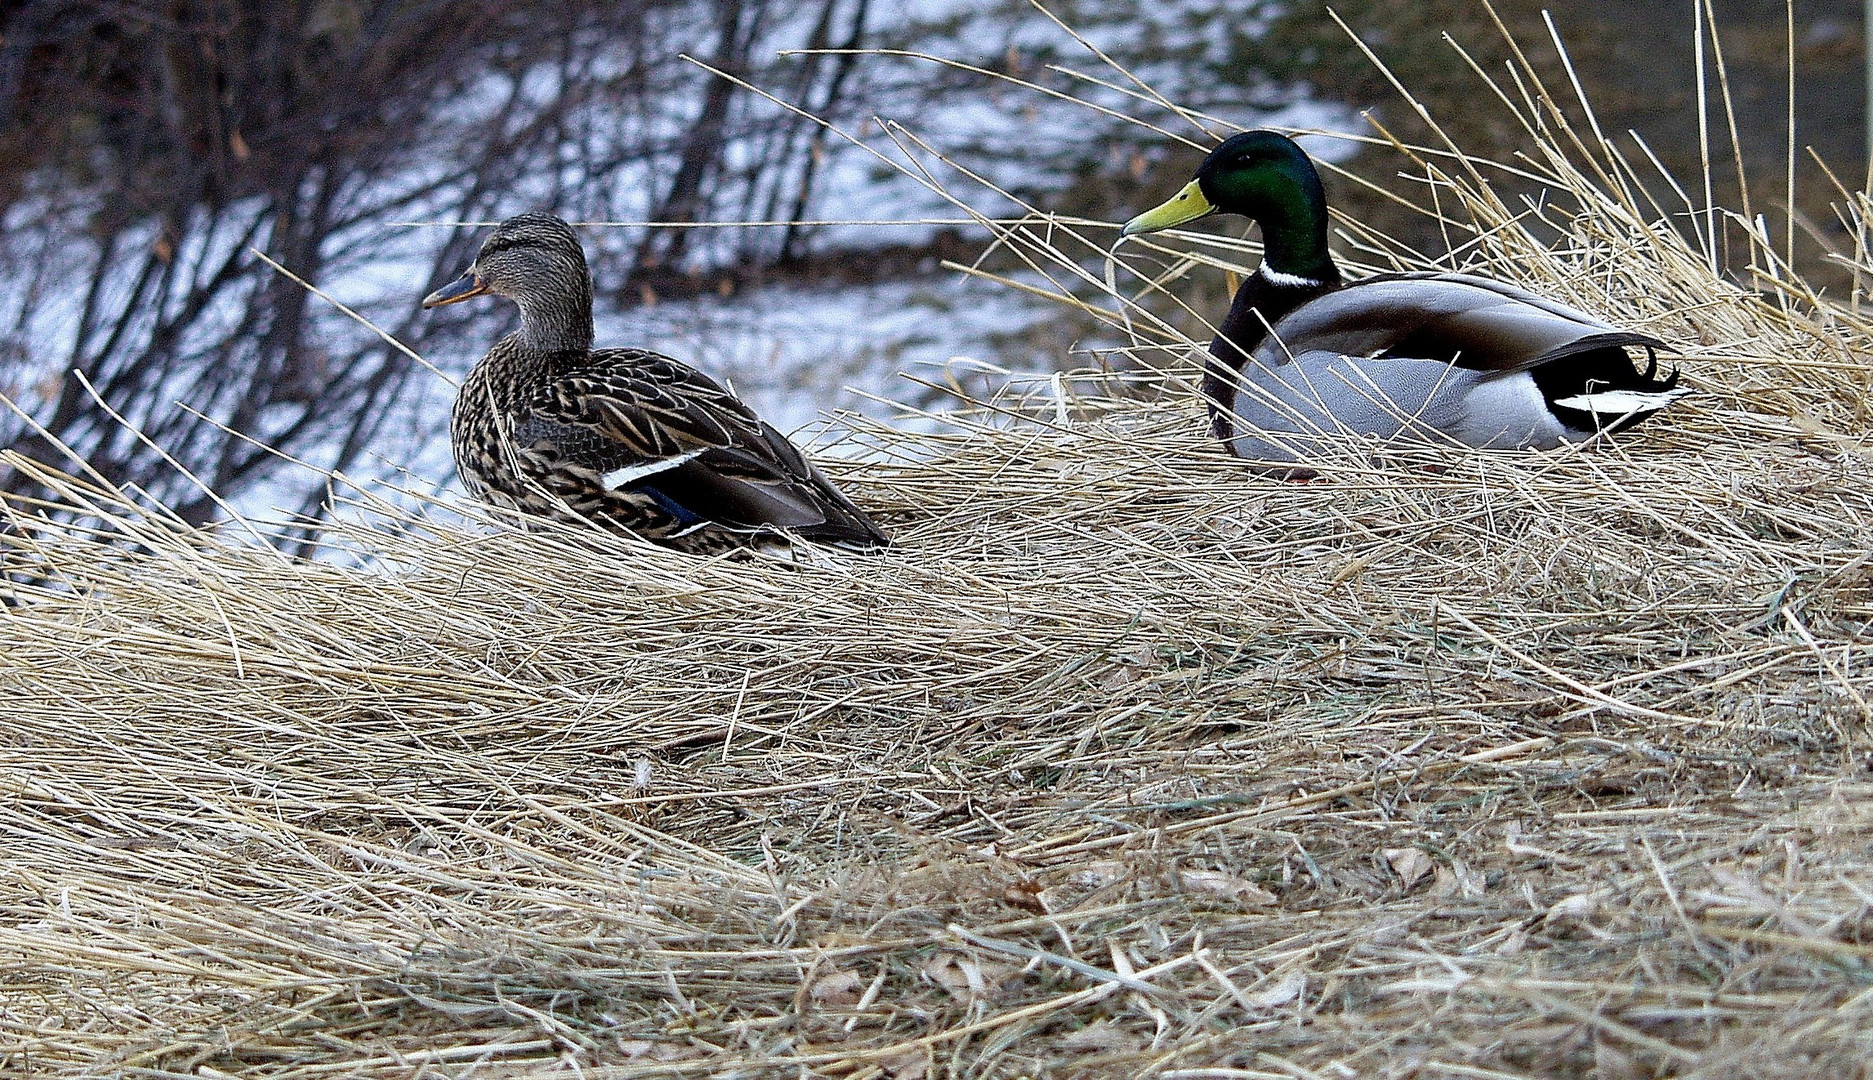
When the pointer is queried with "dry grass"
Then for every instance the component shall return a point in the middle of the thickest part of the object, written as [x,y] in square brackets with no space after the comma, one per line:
[1126,762]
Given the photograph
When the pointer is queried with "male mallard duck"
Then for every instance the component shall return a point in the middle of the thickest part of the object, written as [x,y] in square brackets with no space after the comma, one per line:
[1447,356]
[624,438]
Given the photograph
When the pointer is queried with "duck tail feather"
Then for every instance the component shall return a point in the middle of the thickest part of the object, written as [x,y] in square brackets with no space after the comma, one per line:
[1595,343]
[1616,403]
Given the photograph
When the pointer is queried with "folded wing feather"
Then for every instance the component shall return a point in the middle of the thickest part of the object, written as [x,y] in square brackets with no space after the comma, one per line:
[1445,356]
[643,420]
[1474,322]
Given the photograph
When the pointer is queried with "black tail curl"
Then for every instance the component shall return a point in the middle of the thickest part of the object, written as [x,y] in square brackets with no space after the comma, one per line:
[1650,381]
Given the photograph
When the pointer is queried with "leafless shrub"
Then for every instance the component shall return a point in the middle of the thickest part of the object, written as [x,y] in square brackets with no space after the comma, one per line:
[153,150]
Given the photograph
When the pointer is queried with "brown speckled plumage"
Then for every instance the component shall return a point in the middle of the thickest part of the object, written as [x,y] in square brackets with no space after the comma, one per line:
[625,439]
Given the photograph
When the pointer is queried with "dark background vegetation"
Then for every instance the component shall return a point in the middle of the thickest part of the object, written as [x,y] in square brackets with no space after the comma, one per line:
[147,148]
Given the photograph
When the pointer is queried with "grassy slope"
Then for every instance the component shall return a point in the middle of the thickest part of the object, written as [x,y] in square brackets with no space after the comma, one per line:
[1126,761]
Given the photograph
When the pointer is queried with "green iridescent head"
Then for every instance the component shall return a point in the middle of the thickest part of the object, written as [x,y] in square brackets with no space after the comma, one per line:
[1260,175]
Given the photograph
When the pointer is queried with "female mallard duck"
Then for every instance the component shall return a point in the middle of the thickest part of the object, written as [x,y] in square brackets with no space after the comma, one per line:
[1452,357]
[623,438]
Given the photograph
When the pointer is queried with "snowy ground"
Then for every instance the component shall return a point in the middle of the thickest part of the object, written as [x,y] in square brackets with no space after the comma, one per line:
[798,356]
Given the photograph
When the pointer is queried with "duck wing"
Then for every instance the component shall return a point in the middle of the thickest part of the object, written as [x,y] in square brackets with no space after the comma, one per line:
[1447,356]
[643,423]
[1472,322]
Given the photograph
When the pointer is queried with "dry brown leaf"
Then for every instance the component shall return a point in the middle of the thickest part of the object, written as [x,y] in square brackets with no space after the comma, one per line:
[966,977]
[1577,906]
[1217,883]
[1284,990]
[1026,894]
[1457,880]
[1409,864]
[1103,1037]
[838,990]
[1097,875]
[908,1065]
[655,1050]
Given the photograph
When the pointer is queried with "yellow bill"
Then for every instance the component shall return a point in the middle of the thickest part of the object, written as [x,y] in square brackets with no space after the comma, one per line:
[1187,205]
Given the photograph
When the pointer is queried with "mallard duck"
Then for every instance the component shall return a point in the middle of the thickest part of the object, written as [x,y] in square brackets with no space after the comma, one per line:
[623,438]
[1445,356]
